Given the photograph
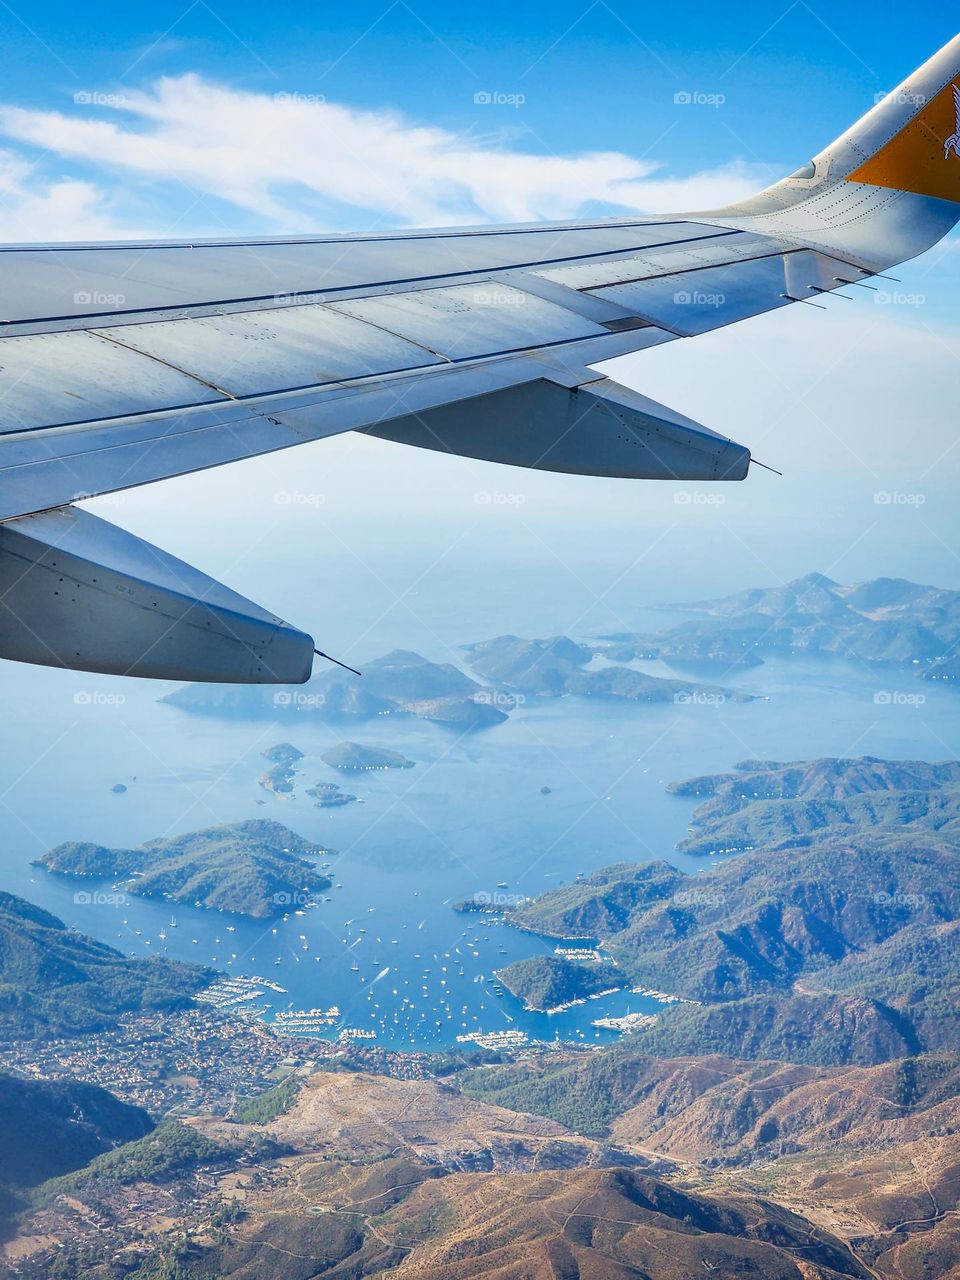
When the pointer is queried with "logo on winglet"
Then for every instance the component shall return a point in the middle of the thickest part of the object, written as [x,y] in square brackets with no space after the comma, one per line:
[921,156]
[952,144]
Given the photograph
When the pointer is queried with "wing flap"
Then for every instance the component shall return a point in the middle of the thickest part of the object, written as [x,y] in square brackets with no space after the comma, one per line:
[205,353]
[68,377]
[53,379]
[473,320]
[262,352]
[41,469]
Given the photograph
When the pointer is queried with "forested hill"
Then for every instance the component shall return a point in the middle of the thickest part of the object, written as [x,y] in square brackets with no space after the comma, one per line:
[54,981]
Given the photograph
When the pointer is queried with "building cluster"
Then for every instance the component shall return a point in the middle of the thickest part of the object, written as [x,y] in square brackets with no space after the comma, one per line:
[194,1061]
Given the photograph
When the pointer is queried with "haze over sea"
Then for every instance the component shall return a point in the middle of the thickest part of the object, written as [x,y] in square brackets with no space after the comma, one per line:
[468,818]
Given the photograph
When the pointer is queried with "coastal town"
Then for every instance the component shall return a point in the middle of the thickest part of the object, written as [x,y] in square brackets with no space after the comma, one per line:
[195,1060]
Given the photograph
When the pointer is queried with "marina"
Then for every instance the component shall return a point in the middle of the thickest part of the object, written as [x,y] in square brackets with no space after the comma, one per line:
[496,1039]
[661,997]
[629,1022]
[582,955]
[306,1022]
[227,993]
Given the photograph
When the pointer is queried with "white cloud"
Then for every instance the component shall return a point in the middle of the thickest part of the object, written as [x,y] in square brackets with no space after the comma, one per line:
[36,209]
[300,163]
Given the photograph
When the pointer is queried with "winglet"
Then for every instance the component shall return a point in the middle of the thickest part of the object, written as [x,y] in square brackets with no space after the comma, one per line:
[924,156]
[886,190]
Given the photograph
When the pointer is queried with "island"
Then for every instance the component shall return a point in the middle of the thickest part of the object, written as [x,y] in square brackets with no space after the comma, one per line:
[886,621]
[327,795]
[401,683]
[561,667]
[256,868]
[548,984]
[766,803]
[283,759]
[354,757]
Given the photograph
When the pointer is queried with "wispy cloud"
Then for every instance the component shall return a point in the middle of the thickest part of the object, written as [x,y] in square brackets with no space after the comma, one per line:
[36,208]
[298,163]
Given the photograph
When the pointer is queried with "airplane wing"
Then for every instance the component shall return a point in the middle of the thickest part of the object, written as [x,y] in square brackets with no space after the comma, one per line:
[121,364]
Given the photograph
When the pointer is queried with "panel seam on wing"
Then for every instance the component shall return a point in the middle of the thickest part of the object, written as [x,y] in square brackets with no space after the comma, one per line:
[394,333]
[195,377]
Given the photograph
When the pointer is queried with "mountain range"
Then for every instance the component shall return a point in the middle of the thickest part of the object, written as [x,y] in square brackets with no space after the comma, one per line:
[886,621]
[407,685]
[820,943]
[558,667]
[371,1175]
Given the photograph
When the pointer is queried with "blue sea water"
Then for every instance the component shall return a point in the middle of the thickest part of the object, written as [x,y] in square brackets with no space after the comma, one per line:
[469,819]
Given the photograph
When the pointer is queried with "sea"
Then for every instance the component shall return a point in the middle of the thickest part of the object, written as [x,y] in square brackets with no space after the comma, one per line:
[563,787]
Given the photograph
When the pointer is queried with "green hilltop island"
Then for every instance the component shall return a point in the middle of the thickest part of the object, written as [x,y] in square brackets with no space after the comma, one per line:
[257,868]
[354,757]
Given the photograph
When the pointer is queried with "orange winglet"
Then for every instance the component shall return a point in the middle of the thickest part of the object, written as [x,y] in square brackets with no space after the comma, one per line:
[923,157]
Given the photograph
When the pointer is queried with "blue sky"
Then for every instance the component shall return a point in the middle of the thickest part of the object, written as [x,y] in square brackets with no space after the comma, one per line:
[573,79]
[595,75]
